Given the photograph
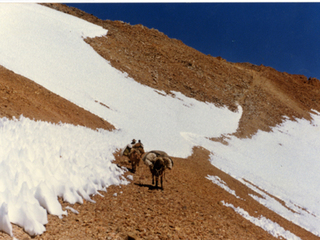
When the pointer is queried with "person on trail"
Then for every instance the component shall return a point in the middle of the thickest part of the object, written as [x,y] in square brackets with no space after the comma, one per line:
[139,146]
[126,150]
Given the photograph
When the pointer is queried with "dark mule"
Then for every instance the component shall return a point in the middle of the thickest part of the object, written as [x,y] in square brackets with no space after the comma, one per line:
[134,157]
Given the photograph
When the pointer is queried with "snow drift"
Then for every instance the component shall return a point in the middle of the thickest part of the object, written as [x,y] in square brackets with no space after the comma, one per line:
[40,162]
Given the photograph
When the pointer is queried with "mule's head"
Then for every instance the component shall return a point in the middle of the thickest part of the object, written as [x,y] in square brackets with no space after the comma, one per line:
[159,166]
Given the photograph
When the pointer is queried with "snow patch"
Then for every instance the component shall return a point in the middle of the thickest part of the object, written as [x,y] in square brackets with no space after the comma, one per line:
[266,224]
[218,181]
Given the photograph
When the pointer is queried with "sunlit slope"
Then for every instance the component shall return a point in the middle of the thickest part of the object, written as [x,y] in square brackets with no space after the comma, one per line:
[53,54]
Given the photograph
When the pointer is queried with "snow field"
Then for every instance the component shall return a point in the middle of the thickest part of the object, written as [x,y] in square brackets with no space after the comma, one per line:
[284,163]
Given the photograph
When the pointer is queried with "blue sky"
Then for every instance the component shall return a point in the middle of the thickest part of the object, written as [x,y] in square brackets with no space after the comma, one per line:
[285,36]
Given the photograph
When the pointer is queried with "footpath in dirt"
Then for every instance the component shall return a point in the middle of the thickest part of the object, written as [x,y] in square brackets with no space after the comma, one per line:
[189,207]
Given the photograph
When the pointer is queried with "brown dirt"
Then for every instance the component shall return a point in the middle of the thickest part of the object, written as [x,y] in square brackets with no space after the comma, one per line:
[190,205]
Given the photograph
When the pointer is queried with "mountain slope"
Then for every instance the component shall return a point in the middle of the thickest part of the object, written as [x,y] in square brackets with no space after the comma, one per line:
[153,59]
[157,61]
[253,87]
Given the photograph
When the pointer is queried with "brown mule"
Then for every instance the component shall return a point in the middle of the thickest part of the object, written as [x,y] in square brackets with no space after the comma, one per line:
[134,157]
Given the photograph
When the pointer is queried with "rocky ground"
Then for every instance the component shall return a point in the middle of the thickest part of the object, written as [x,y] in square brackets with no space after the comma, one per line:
[190,206]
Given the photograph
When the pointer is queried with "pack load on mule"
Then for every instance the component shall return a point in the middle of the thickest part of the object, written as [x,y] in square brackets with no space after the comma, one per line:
[127,149]
[158,162]
[134,152]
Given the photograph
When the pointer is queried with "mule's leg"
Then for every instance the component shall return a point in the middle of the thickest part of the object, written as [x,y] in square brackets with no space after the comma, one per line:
[161,182]
[152,179]
[133,166]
